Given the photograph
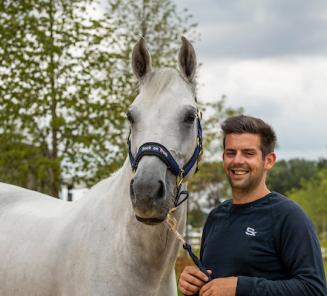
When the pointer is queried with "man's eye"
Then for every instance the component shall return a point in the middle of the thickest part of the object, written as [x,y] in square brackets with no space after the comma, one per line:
[249,153]
[230,153]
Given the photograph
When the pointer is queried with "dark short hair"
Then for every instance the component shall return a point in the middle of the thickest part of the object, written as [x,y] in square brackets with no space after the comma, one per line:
[246,124]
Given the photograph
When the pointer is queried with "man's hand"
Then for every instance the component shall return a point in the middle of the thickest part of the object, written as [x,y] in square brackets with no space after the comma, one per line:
[191,280]
[220,287]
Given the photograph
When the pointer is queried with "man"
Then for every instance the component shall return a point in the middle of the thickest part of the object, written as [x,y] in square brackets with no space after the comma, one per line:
[259,243]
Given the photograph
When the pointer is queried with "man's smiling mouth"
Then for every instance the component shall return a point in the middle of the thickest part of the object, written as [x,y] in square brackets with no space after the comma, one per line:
[239,171]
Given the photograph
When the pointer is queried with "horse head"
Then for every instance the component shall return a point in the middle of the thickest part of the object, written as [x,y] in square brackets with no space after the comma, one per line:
[165,131]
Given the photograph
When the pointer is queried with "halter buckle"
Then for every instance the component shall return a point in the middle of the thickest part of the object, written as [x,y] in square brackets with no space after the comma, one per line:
[198,140]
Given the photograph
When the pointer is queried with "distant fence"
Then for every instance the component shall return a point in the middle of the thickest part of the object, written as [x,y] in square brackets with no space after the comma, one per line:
[194,238]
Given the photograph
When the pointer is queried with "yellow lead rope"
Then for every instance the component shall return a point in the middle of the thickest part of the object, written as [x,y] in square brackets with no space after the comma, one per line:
[172,224]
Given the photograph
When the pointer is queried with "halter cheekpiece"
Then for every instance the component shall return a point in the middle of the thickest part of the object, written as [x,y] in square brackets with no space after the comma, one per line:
[156,149]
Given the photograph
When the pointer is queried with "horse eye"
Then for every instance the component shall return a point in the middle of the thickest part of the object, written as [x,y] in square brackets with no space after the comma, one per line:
[130,117]
[189,118]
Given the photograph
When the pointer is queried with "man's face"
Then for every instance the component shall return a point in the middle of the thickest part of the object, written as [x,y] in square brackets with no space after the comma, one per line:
[243,163]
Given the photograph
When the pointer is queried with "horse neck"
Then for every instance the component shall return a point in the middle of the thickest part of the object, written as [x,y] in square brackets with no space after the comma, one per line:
[151,250]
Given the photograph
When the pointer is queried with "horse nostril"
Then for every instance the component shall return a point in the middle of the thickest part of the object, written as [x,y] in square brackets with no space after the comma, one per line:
[161,190]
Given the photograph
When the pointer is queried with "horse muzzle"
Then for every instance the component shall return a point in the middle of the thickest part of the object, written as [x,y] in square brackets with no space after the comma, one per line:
[149,200]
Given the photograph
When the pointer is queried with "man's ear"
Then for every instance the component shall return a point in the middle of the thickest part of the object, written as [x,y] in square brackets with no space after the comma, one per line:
[270,160]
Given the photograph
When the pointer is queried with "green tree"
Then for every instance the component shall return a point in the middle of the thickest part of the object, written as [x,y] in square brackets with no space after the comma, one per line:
[214,114]
[55,92]
[288,174]
[210,181]
[23,162]
[312,196]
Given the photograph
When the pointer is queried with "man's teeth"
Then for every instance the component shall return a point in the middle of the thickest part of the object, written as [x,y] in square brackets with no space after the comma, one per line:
[239,172]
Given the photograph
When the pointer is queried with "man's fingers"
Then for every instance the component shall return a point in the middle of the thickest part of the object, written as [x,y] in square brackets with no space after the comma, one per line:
[187,288]
[196,273]
[193,280]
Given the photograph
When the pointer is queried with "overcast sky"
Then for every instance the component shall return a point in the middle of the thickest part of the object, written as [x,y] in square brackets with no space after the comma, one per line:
[269,57]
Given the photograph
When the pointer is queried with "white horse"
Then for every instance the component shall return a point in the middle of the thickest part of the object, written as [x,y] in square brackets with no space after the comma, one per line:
[97,245]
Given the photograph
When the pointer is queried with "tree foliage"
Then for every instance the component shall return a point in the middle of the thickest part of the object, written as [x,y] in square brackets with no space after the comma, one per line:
[23,164]
[312,196]
[210,182]
[287,175]
[304,181]
[215,113]
[55,93]
[159,22]
[65,84]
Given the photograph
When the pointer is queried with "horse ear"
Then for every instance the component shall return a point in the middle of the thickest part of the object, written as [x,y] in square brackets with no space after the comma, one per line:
[141,60]
[187,60]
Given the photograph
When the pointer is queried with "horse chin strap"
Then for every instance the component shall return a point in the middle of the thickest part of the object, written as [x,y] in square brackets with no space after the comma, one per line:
[156,149]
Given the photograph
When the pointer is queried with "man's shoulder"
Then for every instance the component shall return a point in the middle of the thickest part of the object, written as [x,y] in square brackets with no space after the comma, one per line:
[286,210]
[280,202]
[222,206]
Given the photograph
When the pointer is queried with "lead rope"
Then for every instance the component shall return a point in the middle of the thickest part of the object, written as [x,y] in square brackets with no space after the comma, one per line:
[172,224]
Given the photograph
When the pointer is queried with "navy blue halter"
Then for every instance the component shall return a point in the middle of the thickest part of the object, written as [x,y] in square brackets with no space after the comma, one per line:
[156,149]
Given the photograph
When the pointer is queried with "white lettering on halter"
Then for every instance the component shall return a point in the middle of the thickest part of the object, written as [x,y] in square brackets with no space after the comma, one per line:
[156,149]
[146,148]
[163,152]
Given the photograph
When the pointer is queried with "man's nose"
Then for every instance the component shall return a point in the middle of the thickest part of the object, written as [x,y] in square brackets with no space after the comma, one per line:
[238,158]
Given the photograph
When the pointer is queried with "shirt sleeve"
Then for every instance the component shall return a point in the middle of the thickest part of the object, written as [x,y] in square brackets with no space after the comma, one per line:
[300,254]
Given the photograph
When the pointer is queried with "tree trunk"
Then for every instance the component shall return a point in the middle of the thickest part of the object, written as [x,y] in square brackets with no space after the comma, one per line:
[54,173]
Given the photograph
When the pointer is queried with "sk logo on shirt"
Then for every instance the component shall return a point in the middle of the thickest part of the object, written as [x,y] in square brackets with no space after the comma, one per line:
[250,231]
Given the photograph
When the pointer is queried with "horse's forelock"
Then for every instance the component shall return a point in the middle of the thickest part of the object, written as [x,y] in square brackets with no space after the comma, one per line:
[157,81]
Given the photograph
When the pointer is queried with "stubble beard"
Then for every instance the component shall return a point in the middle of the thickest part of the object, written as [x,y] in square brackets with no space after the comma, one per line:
[245,186]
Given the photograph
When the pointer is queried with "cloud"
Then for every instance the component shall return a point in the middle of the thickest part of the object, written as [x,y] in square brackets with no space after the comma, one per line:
[287,93]
[259,28]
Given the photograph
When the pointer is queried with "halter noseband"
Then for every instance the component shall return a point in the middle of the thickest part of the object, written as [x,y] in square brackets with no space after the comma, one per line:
[156,149]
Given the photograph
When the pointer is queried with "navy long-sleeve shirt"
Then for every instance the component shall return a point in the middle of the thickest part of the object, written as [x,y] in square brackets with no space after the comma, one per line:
[269,244]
